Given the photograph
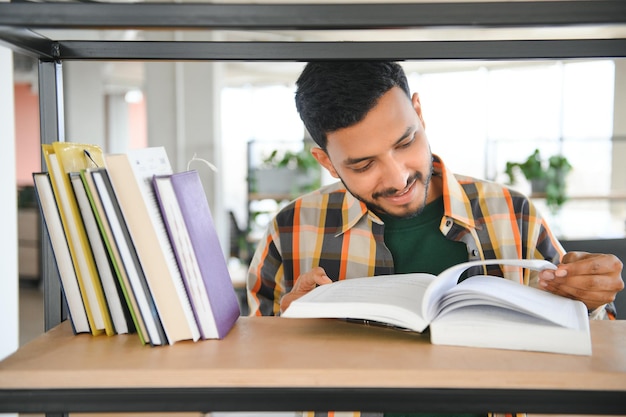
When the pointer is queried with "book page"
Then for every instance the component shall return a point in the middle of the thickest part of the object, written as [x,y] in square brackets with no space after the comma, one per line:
[499,292]
[448,279]
[501,328]
[392,299]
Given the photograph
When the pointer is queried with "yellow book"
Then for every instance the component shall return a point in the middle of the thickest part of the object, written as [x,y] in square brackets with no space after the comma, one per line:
[61,159]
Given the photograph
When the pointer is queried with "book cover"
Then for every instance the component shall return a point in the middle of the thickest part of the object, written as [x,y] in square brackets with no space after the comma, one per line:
[481,311]
[62,158]
[192,232]
[61,252]
[131,176]
[137,292]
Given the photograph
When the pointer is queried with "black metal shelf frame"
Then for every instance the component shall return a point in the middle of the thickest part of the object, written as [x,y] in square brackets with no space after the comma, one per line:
[435,400]
[21,21]
[298,16]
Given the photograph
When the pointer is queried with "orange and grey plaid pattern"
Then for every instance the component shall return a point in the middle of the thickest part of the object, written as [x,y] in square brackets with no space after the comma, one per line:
[332,229]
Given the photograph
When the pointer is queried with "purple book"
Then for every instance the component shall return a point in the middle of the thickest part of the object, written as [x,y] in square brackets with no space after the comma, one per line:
[198,252]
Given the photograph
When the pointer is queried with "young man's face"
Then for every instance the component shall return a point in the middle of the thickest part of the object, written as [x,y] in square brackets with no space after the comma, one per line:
[384,160]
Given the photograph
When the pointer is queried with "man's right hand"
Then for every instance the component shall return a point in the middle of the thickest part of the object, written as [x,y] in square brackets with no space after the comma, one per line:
[304,284]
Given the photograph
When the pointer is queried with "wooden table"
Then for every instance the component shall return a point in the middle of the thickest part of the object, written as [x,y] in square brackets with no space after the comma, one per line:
[277,364]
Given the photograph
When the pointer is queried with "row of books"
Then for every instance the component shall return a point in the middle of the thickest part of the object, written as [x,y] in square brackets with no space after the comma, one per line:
[135,245]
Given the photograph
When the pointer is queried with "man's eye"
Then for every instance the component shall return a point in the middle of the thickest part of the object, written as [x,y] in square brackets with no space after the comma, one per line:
[407,143]
[361,168]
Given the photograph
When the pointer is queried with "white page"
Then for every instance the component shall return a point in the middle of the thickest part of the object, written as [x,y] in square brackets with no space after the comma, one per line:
[448,279]
[494,327]
[383,298]
[501,292]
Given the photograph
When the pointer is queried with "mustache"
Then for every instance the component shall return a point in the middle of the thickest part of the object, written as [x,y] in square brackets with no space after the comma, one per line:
[393,191]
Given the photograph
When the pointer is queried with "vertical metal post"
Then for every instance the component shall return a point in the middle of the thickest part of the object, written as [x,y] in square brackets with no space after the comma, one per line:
[51,130]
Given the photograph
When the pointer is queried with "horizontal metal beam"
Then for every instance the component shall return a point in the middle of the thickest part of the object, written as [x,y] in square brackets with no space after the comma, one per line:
[321,399]
[310,16]
[27,42]
[310,51]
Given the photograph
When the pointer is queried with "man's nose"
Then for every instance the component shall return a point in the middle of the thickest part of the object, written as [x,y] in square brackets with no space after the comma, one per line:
[395,175]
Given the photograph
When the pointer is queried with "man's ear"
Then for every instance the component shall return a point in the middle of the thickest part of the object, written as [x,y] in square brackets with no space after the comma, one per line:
[322,158]
[415,100]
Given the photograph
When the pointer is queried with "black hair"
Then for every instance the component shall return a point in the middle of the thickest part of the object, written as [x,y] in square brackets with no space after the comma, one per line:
[337,94]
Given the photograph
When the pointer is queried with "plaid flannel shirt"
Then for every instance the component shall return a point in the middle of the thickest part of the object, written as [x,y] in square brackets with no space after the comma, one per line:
[332,229]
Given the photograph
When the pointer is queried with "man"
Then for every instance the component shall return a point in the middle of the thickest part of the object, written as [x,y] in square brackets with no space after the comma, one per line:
[396,208]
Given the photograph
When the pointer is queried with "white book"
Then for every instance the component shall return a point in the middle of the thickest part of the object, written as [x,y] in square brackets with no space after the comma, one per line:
[481,311]
[61,251]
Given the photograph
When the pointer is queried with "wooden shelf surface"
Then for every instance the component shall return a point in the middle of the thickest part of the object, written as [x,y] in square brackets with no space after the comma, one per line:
[276,364]
[275,352]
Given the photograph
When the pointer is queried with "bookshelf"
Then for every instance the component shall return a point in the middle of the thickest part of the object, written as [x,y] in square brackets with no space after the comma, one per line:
[22,25]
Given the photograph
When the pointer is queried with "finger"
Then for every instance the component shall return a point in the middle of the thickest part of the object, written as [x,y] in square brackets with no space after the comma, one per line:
[568,258]
[320,276]
[608,283]
[592,299]
[584,263]
[304,284]
[286,300]
[590,268]
[584,289]
[574,256]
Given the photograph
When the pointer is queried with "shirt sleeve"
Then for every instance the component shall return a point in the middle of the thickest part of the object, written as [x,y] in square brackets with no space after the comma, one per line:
[265,276]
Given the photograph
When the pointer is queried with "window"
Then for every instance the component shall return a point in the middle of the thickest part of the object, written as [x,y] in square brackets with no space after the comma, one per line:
[502,114]
[493,114]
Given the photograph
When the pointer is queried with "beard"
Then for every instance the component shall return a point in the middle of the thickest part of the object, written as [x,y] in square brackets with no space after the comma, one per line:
[377,208]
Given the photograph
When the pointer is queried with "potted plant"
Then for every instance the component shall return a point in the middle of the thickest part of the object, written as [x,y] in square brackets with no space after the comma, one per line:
[547,177]
[302,160]
[288,173]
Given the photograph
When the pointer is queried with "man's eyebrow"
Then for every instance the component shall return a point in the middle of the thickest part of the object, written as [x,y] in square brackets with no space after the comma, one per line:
[352,161]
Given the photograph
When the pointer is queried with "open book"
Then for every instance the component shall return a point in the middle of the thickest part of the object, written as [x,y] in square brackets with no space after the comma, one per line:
[481,311]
